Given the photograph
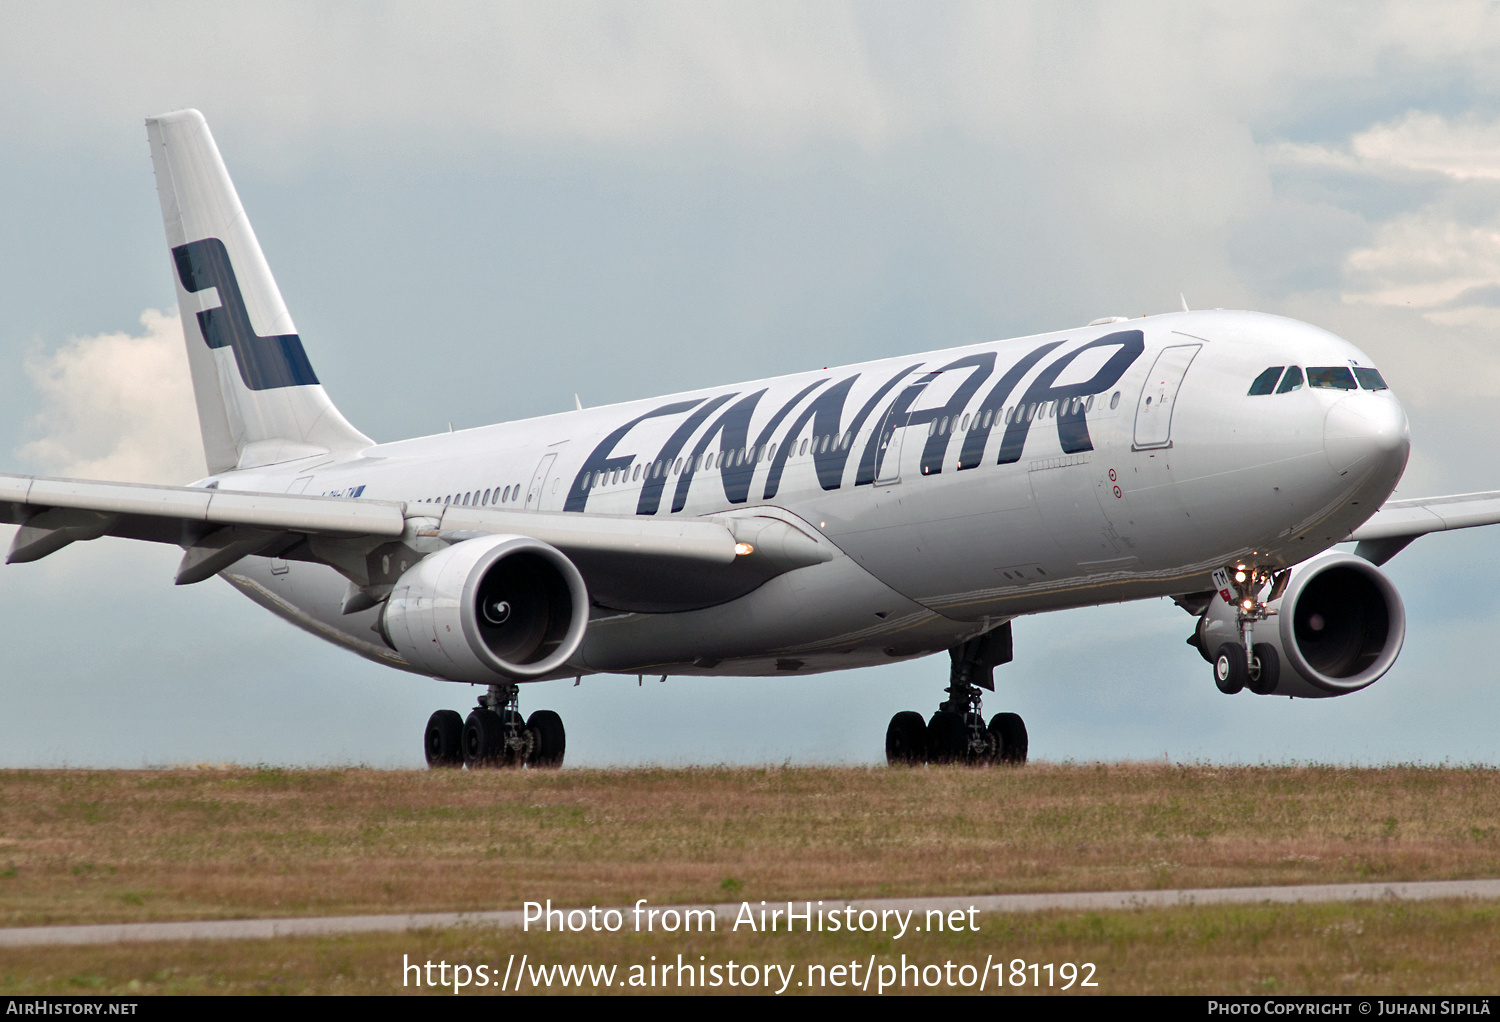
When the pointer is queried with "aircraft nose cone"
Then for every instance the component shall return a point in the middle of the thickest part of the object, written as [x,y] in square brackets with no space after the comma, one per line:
[1362,429]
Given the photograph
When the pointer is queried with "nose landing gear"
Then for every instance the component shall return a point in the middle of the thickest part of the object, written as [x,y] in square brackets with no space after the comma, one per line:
[1247,663]
[957,732]
[495,735]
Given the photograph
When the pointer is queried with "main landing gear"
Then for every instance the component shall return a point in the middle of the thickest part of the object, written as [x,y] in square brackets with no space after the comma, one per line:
[1247,663]
[957,732]
[495,735]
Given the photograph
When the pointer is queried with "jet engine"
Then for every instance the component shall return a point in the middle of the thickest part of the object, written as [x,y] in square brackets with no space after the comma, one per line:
[1338,627]
[488,610]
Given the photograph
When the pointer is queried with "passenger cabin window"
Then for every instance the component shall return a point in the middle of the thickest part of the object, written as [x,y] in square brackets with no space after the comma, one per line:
[1291,381]
[1265,383]
[1369,379]
[1331,378]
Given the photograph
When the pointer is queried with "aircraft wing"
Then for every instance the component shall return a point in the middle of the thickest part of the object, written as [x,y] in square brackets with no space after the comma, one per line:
[628,562]
[1398,522]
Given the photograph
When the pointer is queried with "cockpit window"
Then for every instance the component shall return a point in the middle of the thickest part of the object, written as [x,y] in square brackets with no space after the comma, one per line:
[1331,378]
[1291,381]
[1265,383]
[1369,378]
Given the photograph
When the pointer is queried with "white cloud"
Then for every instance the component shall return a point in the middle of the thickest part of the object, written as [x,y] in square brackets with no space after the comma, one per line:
[1427,260]
[1441,259]
[1418,143]
[1462,149]
[117,406]
[1315,156]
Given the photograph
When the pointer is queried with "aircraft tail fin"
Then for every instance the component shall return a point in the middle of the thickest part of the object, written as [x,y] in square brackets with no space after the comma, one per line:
[259,401]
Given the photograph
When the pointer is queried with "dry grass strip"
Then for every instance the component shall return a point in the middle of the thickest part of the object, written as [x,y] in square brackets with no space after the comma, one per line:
[128,846]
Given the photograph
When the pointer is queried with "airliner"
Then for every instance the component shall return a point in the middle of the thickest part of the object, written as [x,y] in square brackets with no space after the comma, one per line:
[812,522]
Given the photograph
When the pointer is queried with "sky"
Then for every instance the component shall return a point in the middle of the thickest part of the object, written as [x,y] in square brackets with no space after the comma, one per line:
[475,211]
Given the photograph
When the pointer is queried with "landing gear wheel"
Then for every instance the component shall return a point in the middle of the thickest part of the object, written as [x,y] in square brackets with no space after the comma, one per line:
[1009,732]
[548,740]
[947,738]
[1230,670]
[484,740]
[906,739]
[1267,670]
[444,740]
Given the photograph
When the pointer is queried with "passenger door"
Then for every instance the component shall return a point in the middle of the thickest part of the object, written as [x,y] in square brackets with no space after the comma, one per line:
[538,485]
[1153,413]
[893,427]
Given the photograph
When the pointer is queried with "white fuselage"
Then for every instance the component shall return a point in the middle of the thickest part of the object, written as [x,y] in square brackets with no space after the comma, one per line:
[961,487]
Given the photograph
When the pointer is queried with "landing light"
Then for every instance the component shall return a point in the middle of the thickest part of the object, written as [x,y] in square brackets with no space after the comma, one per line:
[742,549]
[1248,604]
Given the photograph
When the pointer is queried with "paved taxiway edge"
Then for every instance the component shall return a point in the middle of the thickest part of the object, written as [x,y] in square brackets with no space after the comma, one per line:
[250,929]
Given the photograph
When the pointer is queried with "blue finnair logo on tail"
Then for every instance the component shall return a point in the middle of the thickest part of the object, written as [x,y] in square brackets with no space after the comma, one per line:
[266,363]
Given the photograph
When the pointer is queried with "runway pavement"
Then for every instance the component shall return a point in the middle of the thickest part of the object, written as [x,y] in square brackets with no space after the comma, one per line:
[247,929]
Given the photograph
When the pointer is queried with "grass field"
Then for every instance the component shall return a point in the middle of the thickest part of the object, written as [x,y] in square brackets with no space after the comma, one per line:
[79,846]
[109,846]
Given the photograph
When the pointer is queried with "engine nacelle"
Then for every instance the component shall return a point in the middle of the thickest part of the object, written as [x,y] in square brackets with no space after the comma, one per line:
[488,610]
[1339,626]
